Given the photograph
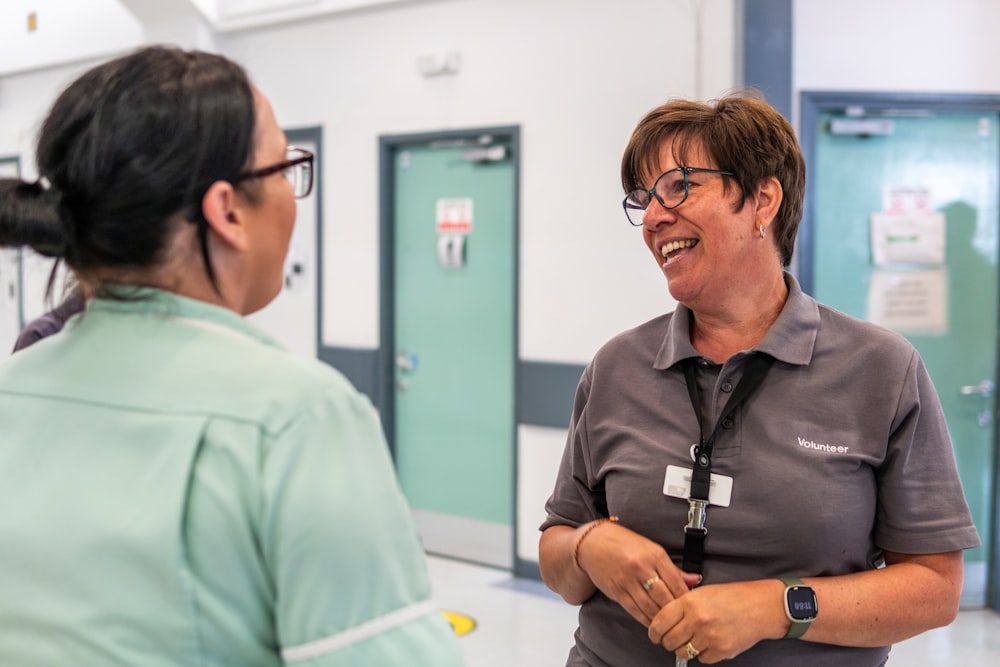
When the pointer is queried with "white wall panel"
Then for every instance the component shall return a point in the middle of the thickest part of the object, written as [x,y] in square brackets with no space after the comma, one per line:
[65,31]
[539,451]
[897,45]
[575,75]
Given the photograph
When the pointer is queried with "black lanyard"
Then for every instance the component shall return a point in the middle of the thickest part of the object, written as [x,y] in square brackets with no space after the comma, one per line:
[701,478]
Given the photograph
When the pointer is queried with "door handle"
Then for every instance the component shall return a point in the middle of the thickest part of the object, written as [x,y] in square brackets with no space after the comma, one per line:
[407,362]
[984,389]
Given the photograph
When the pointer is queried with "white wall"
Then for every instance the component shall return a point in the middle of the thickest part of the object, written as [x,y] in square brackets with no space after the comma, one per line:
[64,31]
[576,75]
[897,46]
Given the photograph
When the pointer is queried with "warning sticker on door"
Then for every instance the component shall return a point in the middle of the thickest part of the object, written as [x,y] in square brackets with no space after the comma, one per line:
[454,216]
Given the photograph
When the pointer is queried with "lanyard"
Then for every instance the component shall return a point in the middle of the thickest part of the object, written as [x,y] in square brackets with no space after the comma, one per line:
[701,478]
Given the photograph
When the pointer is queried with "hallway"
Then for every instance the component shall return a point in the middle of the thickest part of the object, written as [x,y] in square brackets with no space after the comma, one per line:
[520,623]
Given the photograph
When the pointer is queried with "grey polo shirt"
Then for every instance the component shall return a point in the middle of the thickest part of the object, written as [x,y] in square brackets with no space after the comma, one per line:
[842,452]
[51,322]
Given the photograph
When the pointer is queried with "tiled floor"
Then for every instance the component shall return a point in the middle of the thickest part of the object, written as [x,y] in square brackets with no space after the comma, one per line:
[520,623]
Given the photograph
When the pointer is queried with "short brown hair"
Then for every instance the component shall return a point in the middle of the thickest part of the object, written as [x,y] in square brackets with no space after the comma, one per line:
[740,133]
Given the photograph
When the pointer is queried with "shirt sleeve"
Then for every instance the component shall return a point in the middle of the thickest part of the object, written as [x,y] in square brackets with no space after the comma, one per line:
[578,496]
[337,534]
[921,504]
[35,331]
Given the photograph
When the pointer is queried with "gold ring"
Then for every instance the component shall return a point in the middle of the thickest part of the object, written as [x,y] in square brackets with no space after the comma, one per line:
[649,582]
[691,650]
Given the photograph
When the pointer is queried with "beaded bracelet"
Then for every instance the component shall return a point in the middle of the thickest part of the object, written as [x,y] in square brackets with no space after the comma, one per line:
[592,526]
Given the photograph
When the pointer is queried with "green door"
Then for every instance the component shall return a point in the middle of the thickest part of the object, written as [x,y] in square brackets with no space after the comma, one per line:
[887,191]
[454,338]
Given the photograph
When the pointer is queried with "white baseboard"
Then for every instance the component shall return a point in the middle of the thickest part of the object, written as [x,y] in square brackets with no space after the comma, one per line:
[466,539]
[974,587]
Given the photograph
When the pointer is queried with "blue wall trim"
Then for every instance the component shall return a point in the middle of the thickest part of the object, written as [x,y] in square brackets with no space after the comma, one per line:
[358,365]
[767,51]
[543,393]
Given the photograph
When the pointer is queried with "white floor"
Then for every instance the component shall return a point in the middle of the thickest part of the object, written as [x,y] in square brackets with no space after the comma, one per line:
[519,622]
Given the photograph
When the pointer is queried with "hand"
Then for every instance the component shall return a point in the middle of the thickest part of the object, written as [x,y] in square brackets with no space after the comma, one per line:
[633,571]
[721,620]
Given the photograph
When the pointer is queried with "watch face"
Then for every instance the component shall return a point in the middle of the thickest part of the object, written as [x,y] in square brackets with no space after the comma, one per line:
[801,601]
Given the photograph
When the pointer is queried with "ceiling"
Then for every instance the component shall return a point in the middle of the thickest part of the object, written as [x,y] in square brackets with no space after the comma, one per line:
[37,35]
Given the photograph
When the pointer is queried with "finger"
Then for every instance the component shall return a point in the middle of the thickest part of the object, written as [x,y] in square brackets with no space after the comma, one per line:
[689,650]
[657,594]
[682,643]
[660,595]
[650,597]
[666,624]
[675,579]
[692,580]
[639,606]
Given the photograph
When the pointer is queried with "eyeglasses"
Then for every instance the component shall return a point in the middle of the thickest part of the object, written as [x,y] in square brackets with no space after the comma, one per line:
[298,169]
[670,189]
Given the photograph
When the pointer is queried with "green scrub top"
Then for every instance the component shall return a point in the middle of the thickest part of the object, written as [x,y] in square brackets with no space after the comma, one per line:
[177,489]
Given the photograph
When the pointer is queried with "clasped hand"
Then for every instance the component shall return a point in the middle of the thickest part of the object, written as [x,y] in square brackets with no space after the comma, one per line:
[720,621]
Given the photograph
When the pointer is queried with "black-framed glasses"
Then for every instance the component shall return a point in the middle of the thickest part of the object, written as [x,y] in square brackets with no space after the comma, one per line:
[298,169]
[670,189]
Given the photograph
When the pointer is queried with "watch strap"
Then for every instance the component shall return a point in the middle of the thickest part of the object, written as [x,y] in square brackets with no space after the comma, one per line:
[797,628]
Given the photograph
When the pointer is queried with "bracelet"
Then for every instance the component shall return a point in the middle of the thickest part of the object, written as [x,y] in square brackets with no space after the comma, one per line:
[592,526]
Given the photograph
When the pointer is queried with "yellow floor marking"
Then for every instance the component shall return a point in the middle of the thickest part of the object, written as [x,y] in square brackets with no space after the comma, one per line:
[460,623]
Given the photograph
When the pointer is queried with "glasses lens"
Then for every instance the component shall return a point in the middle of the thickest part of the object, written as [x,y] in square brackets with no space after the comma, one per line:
[672,187]
[299,174]
[635,204]
[294,176]
[307,178]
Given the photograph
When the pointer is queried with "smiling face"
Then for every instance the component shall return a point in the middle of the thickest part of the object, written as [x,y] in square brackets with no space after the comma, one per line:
[707,249]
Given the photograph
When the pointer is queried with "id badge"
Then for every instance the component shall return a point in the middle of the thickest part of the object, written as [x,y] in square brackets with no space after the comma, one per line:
[677,484]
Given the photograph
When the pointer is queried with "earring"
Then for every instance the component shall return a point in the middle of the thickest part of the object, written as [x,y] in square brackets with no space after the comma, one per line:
[761,228]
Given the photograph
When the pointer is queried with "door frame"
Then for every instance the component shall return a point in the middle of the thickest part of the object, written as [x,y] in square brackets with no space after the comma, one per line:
[812,104]
[388,145]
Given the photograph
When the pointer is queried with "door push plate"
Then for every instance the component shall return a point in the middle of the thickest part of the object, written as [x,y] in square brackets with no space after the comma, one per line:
[451,251]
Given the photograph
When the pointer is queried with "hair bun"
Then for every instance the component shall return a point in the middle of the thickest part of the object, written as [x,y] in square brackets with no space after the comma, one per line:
[30,216]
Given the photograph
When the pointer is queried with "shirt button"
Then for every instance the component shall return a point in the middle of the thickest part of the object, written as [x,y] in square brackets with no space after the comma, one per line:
[727,422]
[727,387]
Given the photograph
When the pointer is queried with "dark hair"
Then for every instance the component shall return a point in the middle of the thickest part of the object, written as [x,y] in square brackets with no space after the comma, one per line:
[739,133]
[127,147]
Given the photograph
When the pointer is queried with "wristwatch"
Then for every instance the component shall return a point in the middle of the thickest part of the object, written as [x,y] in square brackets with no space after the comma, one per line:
[800,606]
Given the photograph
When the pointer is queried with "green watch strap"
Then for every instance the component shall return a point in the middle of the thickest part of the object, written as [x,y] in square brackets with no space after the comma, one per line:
[797,627]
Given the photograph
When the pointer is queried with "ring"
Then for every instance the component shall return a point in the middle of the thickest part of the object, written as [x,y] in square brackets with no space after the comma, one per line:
[646,585]
[691,650]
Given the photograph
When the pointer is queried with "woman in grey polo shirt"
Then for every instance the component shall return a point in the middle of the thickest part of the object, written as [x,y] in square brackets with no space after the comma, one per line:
[177,488]
[753,477]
